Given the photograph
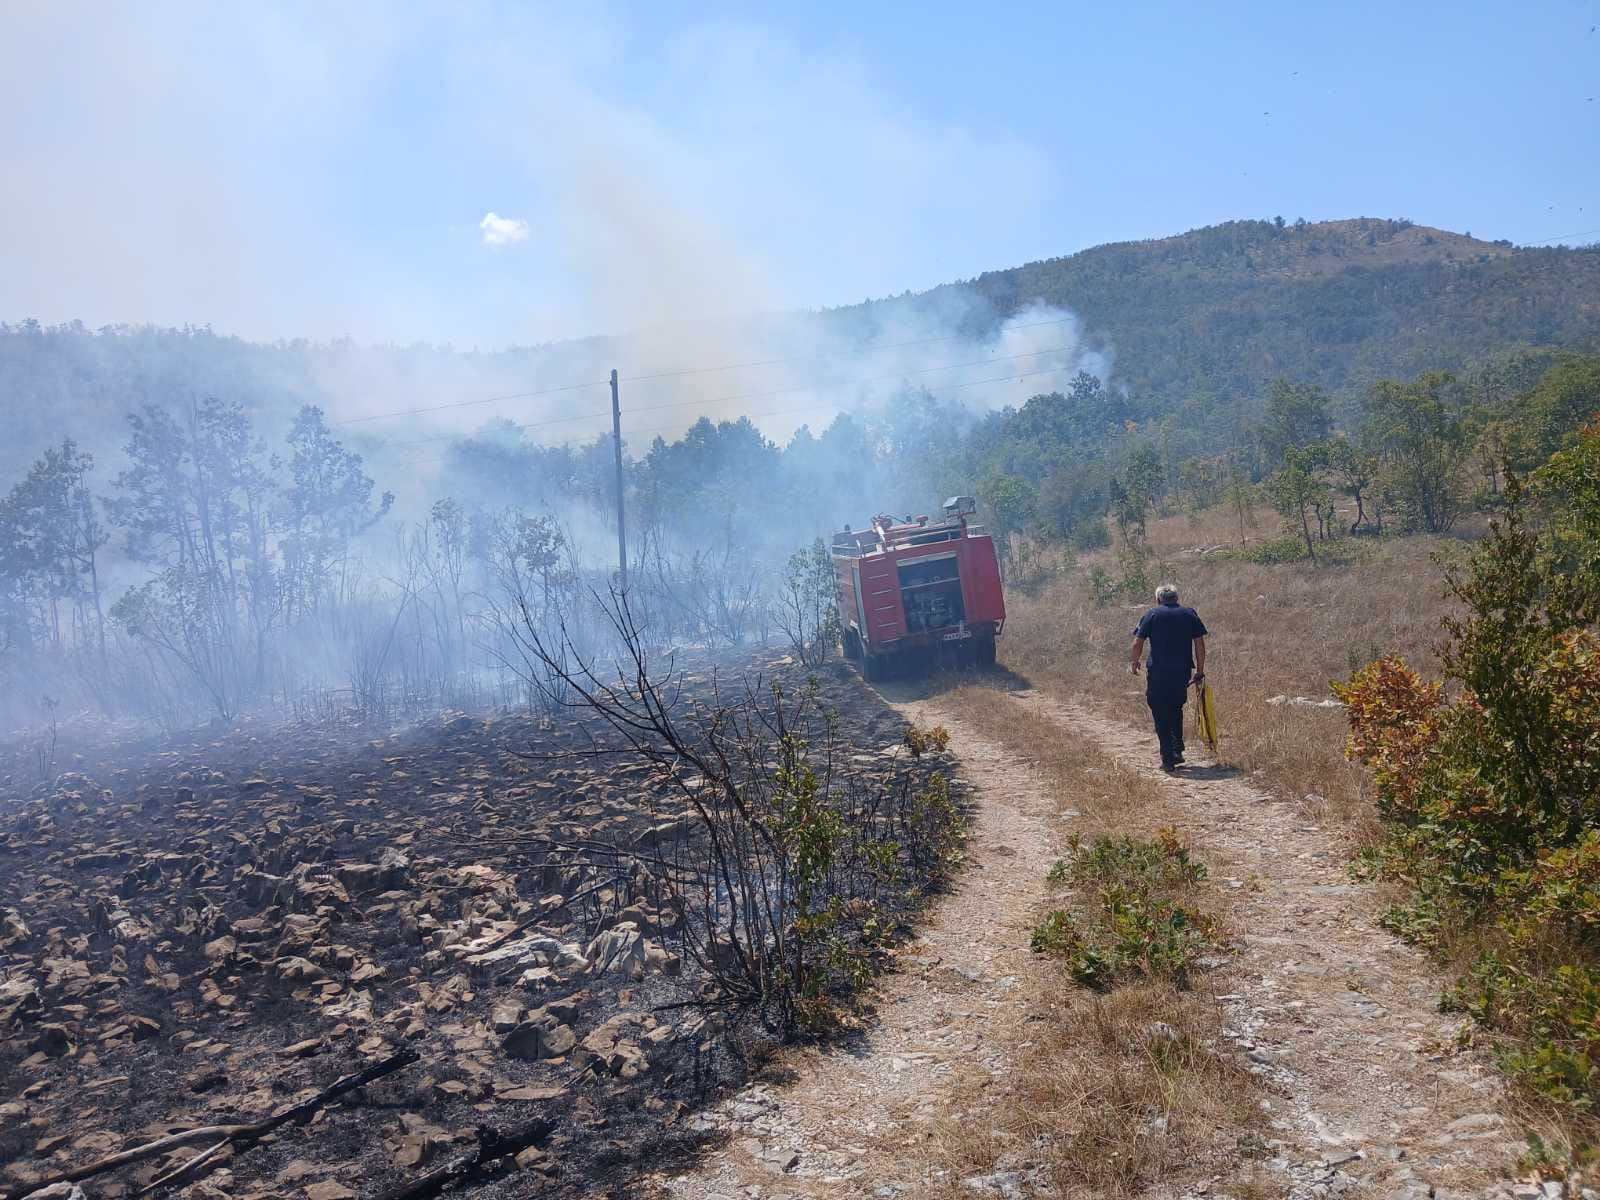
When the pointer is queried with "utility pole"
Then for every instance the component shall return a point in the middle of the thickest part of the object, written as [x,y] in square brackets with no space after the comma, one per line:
[622,531]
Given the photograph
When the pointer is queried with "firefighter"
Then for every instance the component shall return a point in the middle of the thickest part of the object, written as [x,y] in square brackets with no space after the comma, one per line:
[1177,640]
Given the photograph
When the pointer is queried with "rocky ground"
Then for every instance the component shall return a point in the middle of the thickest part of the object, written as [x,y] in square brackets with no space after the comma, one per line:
[199,932]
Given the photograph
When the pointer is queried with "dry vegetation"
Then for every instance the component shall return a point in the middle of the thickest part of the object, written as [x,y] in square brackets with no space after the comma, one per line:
[1282,630]
[1114,1089]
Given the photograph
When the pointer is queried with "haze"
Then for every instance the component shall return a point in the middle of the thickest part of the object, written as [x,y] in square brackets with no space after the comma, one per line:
[491,175]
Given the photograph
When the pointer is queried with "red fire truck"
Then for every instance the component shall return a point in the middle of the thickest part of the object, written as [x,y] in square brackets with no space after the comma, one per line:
[917,591]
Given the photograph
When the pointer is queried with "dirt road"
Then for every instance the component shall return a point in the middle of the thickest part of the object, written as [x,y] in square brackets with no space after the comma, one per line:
[1368,1091]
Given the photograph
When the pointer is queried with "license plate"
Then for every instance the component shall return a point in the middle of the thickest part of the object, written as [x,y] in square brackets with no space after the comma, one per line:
[958,635]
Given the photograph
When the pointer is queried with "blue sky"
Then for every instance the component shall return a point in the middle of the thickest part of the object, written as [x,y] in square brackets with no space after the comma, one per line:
[321,170]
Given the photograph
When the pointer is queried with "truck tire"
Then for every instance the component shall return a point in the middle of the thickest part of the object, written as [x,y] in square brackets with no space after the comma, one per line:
[852,645]
[983,651]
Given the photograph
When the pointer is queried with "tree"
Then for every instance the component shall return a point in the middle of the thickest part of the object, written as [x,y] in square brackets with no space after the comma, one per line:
[1419,434]
[196,503]
[1294,490]
[1352,472]
[50,539]
[1144,481]
[1201,481]
[326,504]
[1240,495]
[1296,416]
[808,603]
[1013,502]
[1567,489]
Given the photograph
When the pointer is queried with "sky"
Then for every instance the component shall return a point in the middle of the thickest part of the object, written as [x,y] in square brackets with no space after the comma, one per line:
[492,174]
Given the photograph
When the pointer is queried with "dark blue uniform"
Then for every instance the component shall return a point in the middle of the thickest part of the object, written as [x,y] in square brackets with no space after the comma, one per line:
[1169,631]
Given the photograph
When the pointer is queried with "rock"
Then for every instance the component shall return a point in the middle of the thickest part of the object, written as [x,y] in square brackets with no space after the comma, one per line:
[59,1191]
[534,950]
[299,969]
[1159,1033]
[1475,1123]
[413,1150]
[776,1159]
[507,1016]
[609,1049]
[621,949]
[221,949]
[328,1189]
[532,1158]
[533,1041]
[530,1094]
[51,1040]
[999,1183]
[303,1049]
[207,1081]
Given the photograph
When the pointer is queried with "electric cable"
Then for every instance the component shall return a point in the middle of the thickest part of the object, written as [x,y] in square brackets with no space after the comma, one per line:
[638,408]
[946,387]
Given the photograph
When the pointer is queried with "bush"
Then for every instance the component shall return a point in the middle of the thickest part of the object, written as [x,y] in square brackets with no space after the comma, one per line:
[1492,806]
[1137,924]
[1092,535]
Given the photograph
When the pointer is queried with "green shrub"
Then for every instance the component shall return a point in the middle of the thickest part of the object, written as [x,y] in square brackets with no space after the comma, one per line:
[1092,535]
[1491,801]
[1136,924]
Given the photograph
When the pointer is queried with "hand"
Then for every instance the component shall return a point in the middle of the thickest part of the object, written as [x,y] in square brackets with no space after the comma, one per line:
[1199,678]
[1134,666]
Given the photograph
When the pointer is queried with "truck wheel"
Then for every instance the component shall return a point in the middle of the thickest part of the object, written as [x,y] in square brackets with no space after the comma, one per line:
[983,652]
[852,645]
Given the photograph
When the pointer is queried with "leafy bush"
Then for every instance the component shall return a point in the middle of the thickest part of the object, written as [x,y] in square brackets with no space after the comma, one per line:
[1492,802]
[1137,924]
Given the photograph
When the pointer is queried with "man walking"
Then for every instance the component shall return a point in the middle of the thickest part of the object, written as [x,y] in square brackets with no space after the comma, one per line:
[1177,641]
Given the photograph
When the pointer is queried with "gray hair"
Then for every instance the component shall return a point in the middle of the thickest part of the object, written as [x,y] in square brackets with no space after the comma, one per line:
[1167,593]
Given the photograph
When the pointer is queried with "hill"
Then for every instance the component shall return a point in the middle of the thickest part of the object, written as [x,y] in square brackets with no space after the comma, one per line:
[1224,310]
[1196,325]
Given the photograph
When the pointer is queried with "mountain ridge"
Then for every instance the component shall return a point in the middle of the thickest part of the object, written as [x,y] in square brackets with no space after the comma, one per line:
[1204,318]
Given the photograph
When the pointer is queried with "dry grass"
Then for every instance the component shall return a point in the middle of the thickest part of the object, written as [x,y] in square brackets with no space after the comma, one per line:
[1281,630]
[1106,1093]
[1117,1093]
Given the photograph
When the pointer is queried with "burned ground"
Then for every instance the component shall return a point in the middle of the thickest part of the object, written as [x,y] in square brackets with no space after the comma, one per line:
[203,932]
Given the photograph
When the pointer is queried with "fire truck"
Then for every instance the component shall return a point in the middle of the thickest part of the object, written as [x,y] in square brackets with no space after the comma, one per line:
[917,592]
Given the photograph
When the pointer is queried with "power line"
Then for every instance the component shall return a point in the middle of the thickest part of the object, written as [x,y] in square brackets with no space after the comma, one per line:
[777,412]
[1561,237]
[765,362]
[411,412]
[768,362]
[766,395]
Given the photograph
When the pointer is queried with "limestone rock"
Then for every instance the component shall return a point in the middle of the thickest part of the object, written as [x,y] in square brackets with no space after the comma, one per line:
[535,1040]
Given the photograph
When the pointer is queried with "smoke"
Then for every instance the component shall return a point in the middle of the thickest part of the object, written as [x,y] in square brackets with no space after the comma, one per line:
[691,208]
[696,172]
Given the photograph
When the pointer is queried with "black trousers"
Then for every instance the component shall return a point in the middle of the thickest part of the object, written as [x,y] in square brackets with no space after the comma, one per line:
[1166,692]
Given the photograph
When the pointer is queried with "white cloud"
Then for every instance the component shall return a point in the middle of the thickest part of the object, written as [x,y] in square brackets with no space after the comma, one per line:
[502,231]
